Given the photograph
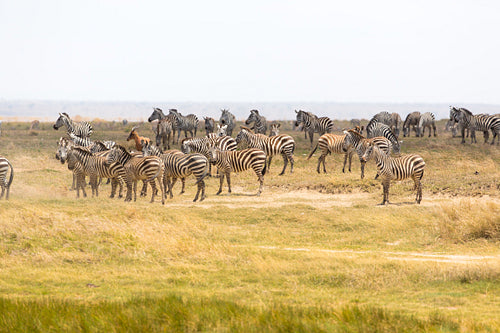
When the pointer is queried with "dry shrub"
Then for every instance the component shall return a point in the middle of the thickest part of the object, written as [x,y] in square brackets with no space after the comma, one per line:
[470,220]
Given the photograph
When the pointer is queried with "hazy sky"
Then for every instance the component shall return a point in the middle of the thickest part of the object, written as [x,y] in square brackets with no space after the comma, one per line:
[340,51]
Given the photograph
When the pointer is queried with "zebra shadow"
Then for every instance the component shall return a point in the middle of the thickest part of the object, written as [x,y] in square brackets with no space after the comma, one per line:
[405,203]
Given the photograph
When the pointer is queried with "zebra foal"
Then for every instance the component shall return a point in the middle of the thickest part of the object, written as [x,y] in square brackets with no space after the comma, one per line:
[331,143]
[396,168]
[5,182]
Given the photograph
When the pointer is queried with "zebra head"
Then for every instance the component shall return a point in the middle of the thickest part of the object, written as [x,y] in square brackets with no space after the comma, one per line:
[156,115]
[368,152]
[213,155]
[186,145]
[209,124]
[300,118]
[61,121]
[274,129]
[254,115]
[243,135]
[225,117]
[221,130]
[63,146]
[347,143]
[150,150]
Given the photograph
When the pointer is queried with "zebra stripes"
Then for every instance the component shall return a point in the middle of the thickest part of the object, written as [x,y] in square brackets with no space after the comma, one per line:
[82,129]
[187,123]
[274,129]
[411,121]
[209,125]
[331,143]
[281,144]
[375,129]
[238,161]
[5,182]
[259,122]
[395,124]
[312,124]
[227,118]
[170,125]
[427,120]
[359,143]
[396,168]
[474,123]
[146,168]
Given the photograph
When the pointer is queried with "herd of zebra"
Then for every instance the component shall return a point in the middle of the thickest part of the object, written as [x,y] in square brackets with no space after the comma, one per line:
[159,166]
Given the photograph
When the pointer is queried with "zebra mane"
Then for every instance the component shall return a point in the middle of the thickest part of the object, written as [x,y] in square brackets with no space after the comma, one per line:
[83,150]
[246,129]
[356,133]
[255,111]
[466,111]
[123,150]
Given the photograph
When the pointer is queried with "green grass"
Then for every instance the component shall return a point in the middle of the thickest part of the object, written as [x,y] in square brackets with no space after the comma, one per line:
[313,254]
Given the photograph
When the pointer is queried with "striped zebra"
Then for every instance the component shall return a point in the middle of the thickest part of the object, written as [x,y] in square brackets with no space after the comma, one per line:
[209,125]
[383,117]
[330,143]
[395,124]
[411,121]
[259,122]
[354,140]
[475,123]
[238,161]
[182,166]
[82,129]
[95,166]
[274,129]
[221,130]
[5,182]
[167,123]
[62,154]
[227,118]
[426,120]
[396,168]
[281,144]
[146,168]
[311,124]
[187,123]
[375,129]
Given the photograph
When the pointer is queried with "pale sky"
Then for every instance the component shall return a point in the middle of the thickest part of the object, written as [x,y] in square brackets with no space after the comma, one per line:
[339,51]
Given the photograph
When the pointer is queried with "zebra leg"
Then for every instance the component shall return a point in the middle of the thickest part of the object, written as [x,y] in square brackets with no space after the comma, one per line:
[154,189]
[170,186]
[319,165]
[114,182]
[94,183]
[221,180]
[463,134]
[350,160]
[135,190]
[269,163]
[285,163]
[3,191]
[385,186]
[486,136]
[183,181]
[418,187]
[174,180]
[311,137]
[362,169]
[73,185]
[261,182]
[144,190]
[228,177]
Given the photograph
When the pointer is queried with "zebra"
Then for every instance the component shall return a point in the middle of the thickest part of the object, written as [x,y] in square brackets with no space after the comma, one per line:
[374,129]
[160,116]
[356,123]
[82,129]
[281,144]
[475,123]
[396,168]
[165,130]
[412,120]
[238,161]
[209,125]
[5,182]
[259,122]
[221,130]
[354,139]
[95,166]
[383,117]
[312,124]
[83,142]
[331,143]
[146,168]
[395,124]
[187,123]
[274,129]
[426,120]
[227,118]
[62,154]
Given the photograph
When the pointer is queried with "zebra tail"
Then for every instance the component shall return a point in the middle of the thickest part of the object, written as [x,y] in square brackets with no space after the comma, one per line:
[205,173]
[311,153]
[264,168]
[11,174]
[154,177]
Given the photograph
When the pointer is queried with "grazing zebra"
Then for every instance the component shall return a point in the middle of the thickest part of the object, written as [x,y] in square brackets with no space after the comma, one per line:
[475,123]
[426,120]
[96,166]
[274,129]
[374,129]
[281,144]
[139,140]
[82,129]
[383,117]
[312,124]
[412,120]
[160,116]
[330,143]
[227,118]
[396,168]
[4,181]
[260,122]
[209,125]
[146,168]
[187,123]
[395,123]
[238,161]
[354,139]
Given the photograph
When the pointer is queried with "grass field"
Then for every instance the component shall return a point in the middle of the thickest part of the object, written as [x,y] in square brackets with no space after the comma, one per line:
[313,253]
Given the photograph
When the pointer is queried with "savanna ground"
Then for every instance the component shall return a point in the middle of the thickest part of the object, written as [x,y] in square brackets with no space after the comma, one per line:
[313,253]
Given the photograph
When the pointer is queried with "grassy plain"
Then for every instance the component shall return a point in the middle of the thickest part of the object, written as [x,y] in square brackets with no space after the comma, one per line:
[313,253]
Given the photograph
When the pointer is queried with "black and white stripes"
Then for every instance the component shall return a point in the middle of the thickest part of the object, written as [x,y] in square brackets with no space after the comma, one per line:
[5,181]
[82,129]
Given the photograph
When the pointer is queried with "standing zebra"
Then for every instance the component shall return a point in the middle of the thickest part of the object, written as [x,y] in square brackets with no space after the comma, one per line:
[274,129]
[150,150]
[169,123]
[398,168]
[209,125]
[426,120]
[82,129]
[5,183]
[146,168]
[374,129]
[412,120]
[312,124]
[187,123]
[238,161]
[260,122]
[165,130]
[475,123]
[221,130]
[227,118]
[281,144]
[354,139]
[331,143]
[395,123]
